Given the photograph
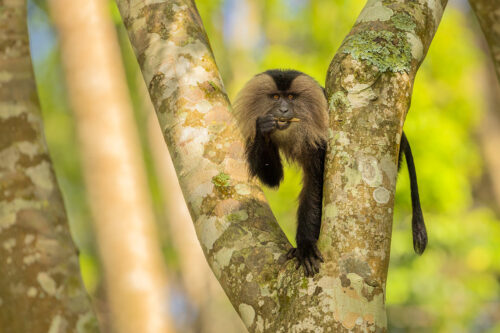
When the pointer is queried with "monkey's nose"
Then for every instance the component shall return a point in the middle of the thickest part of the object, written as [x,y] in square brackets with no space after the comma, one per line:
[283,111]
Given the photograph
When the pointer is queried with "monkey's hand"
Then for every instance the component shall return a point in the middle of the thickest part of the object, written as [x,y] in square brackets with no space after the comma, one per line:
[308,257]
[266,124]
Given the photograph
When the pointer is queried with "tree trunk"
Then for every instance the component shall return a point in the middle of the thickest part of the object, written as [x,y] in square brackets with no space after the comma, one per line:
[373,71]
[40,285]
[488,14]
[129,249]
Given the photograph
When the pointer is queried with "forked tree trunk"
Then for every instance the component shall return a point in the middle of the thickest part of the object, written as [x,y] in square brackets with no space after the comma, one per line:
[369,85]
[134,276]
[40,285]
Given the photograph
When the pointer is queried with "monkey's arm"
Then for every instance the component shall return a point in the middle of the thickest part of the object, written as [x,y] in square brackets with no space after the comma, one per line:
[263,155]
[309,212]
[417,222]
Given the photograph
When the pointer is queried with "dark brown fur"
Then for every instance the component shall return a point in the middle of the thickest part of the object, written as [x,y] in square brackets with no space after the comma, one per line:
[303,142]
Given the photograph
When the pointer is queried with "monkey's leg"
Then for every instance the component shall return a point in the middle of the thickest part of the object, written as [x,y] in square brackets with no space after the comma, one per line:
[309,214]
[263,155]
[417,221]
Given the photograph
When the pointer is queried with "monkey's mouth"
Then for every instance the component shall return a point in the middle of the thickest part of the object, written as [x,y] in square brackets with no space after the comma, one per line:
[284,123]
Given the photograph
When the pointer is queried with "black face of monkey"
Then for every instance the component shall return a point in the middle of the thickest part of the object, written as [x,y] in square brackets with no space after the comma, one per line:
[283,108]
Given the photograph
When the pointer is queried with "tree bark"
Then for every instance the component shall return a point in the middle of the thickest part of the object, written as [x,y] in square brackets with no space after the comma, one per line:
[488,14]
[213,309]
[369,85]
[134,275]
[237,231]
[41,289]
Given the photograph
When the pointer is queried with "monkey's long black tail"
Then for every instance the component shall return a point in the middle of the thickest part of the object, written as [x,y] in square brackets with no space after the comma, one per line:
[417,222]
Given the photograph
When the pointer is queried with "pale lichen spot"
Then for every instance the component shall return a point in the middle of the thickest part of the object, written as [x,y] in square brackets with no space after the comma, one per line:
[370,172]
[32,292]
[31,258]
[381,195]
[211,230]
[331,211]
[41,176]
[260,324]
[223,256]
[57,325]
[242,189]
[9,244]
[436,9]
[28,148]
[249,277]
[203,106]
[361,98]
[375,10]
[12,110]
[417,49]
[29,238]
[47,283]
[247,314]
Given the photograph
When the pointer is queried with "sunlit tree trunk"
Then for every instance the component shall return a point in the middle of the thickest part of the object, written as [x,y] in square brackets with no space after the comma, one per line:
[369,84]
[129,249]
[40,285]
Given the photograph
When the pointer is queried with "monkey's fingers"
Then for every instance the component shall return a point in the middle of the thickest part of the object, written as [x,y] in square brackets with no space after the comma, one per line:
[308,267]
[318,254]
[291,253]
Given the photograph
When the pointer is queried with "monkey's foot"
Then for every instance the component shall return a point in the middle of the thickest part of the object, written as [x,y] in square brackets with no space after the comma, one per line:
[308,257]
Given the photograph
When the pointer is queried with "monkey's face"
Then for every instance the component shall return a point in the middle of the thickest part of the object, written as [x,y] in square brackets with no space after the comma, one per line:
[282,108]
[293,99]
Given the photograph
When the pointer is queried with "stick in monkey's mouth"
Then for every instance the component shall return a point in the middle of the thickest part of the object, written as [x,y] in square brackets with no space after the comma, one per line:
[286,120]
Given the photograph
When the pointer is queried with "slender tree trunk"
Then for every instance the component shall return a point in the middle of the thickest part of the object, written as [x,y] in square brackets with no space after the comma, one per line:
[369,85]
[488,14]
[114,174]
[40,285]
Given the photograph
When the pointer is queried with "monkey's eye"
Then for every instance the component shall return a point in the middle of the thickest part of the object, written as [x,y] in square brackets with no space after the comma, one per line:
[291,96]
[276,96]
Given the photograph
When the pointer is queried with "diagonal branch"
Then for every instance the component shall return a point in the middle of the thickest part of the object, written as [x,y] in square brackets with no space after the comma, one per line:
[236,228]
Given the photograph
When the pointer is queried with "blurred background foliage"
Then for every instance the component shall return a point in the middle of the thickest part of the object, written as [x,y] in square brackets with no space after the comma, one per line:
[455,285]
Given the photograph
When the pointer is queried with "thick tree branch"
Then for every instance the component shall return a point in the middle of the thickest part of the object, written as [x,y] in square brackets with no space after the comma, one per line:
[40,285]
[369,85]
[238,233]
[488,14]
[236,228]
